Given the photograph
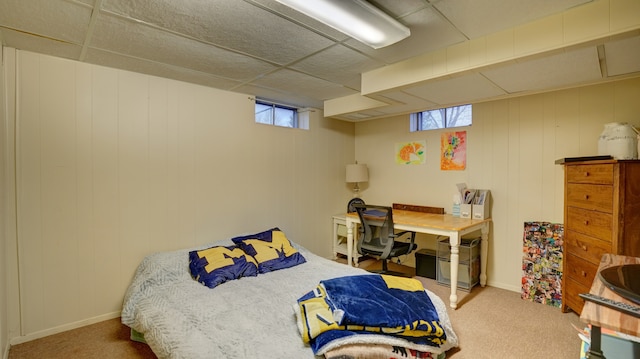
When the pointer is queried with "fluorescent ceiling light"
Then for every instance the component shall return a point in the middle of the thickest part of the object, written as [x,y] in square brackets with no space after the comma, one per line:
[356,18]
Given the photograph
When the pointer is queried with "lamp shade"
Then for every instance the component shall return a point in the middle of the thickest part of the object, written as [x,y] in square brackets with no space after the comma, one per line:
[357,173]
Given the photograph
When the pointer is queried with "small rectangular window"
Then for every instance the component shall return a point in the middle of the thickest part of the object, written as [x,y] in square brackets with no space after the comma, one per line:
[275,114]
[456,116]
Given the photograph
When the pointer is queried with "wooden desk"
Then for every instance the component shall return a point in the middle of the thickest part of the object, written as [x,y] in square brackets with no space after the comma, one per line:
[437,224]
[600,316]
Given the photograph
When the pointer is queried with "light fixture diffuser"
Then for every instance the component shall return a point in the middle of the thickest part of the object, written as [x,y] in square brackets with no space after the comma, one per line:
[356,18]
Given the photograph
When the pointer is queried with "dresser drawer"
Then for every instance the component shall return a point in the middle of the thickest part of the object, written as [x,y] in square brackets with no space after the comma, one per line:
[585,247]
[595,174]
[594,224]
[579,270]
[590,196]
[570,295]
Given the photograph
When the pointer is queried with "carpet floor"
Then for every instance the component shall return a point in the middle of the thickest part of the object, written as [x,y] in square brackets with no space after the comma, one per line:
[490,323]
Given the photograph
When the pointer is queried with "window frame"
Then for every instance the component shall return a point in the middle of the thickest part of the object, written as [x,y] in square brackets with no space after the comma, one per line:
[273,107]
[416,118]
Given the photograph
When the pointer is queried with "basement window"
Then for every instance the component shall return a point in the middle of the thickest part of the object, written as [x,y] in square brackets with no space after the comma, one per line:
[270,113]
[456,116]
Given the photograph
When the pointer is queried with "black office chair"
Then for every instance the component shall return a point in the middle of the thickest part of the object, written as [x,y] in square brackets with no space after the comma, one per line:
[377,236]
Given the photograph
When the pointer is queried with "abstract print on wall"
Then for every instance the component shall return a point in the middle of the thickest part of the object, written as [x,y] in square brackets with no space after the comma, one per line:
[542,263]
[453,151]
[410,153]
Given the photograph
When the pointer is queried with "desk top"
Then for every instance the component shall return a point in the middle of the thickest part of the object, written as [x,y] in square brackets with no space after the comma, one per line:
[431,220]
[605,317]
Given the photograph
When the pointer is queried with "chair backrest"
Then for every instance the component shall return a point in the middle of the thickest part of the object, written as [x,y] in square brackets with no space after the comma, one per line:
[376,230]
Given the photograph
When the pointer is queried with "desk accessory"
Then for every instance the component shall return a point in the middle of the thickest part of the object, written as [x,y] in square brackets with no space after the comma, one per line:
[415,208]
[615,305]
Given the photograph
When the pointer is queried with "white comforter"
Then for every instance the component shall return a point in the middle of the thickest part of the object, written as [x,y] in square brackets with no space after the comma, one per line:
[247,318]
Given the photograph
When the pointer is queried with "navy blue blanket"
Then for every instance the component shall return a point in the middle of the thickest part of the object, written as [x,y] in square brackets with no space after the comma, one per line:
[369,304]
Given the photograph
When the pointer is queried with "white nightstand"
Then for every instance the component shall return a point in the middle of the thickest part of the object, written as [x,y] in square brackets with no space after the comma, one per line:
[340,238]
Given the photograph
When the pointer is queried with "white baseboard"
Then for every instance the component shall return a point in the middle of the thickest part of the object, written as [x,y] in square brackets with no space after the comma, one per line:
[60,329]
[504,286]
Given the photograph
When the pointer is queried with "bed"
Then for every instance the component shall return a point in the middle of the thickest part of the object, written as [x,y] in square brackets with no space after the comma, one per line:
[250,317]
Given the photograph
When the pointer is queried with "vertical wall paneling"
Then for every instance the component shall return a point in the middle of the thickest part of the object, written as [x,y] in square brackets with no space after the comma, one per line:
[9,286]
[31,252]
[514,170]
[530,138]
[133,161]
[186,167]
[173,238]
[106,201]
[159,219]
[498,115]
[551,204]
[84,192]
[58,173]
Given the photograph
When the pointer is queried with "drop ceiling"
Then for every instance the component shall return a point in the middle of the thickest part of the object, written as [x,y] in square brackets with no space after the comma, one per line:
[267,50]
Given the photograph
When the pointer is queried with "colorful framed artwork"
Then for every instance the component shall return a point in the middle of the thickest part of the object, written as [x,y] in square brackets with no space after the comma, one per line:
[411,153]
[453,151]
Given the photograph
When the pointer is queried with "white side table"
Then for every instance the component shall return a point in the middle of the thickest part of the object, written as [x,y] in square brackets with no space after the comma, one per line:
[340,238]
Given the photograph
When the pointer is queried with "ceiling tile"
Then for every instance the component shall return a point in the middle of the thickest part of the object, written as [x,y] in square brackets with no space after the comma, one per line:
[280,96]
[467,88]
[338,64]
[125,37]
[478,18]
[429,31]
[404,98]
[555,71]
[236,25]
[623,56]
[104,58]
[60,20]
[305,84]
[28,42]
[400,8]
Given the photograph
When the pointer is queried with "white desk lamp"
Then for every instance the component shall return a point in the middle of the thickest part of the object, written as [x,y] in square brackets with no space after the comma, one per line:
[357,173]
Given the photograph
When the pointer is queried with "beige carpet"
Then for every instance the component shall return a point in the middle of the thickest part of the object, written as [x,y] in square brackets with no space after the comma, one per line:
[108,339]
[495,323]
[490,323]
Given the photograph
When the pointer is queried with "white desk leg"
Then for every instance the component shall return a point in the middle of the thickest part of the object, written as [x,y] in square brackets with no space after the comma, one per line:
[350,243]
[335,239]
[454,241]
[484,250]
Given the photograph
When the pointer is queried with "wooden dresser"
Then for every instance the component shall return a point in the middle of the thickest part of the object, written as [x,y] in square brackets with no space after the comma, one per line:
[601,215]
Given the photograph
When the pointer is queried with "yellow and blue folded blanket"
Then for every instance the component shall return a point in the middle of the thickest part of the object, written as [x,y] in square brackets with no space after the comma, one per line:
[369,304]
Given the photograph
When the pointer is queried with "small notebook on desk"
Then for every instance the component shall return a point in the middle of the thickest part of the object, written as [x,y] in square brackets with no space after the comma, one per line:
[375,213]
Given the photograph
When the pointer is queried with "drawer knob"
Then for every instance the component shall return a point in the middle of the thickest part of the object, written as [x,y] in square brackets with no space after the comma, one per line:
[586,197]
[584,248]
[586,223]
[586,174]
[584,274]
